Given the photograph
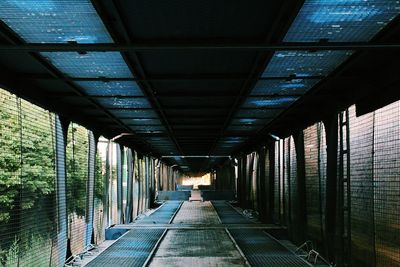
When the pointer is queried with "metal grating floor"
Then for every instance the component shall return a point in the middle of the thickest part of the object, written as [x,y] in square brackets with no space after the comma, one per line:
[262,250]
[132,249]
[163,215]
[204,243]
[196,213]
[228,214]
[197,248]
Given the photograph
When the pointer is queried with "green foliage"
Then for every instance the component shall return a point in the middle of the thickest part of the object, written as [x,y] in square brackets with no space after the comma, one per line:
[20,254]
[27,174]
[77,169]
[27,179]
[99,178]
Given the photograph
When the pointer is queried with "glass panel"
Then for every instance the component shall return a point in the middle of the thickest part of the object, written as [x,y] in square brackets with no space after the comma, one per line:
[257,113]
[132,113]
[112,88]
[90,65]
[243,128]
[267,102]
[144,128]
[304,63]
[283,87]
[117,102]
[50,21]
[249,121]
[139,122]
[341,20]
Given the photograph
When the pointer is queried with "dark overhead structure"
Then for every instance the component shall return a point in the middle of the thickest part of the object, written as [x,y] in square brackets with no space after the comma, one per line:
[204,81]
[229,88]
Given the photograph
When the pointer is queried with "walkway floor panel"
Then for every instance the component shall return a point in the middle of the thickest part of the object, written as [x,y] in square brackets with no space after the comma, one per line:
[196,213]
[228,214]
[163,215]
[196,237]
[262,250]
[197,248]
[132,249]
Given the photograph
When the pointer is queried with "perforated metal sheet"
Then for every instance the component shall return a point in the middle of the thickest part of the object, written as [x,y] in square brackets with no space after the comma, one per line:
[227,214]
[262,250]
[130,250]
[163,215]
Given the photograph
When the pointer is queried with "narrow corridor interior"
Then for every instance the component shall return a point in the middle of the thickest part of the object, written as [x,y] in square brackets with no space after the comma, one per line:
[198,233]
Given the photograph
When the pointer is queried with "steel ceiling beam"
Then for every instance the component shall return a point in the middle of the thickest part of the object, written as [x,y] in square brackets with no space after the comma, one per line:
[138,70]
[111,47]
[167,78]
[14,40]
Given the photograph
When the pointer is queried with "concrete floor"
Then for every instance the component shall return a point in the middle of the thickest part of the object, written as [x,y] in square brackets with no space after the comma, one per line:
[206,247]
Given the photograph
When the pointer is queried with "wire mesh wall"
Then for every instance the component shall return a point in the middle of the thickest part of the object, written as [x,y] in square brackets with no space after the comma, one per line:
[367,215]
[315,175]
[387,185]
[361,188]
[28,225]
[59,183]
[100,220]
[77,174]
[286,184]
[276,209]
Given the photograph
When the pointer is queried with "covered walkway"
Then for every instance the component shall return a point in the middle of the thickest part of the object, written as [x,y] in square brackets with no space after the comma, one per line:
[199,132]
[197,236]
